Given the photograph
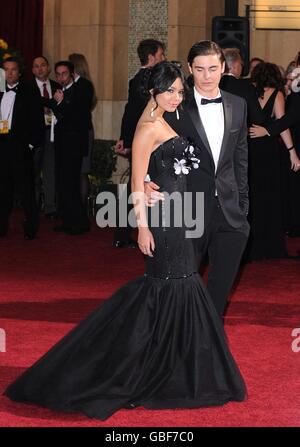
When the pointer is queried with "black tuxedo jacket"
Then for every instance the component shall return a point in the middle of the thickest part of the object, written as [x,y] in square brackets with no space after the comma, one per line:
[244,89]
[73,116]
[26,126]
[134,108]
[85,90]
[38,101]
[35,88]
[230,178]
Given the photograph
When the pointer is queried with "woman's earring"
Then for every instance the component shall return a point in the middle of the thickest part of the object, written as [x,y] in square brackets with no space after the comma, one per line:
[177,114]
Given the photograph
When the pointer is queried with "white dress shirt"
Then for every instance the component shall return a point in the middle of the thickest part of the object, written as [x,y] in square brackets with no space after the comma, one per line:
[212,117]
[40,85]
[7,105]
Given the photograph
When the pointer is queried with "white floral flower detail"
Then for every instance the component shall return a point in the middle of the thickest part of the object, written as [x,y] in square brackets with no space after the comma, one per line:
[180,166]
[190,148]
[188,161]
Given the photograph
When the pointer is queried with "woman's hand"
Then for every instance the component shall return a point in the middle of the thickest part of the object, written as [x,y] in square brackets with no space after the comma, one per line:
[146,241]
[257,131]
[295,162]
[152,193]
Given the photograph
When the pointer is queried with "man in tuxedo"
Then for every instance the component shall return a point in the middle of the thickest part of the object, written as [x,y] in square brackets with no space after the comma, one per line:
[216,122]
[44,158]
[150,52]
[72,112]
[20,130]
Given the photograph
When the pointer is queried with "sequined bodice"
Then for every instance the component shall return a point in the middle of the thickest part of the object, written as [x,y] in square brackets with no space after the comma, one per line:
[174,252]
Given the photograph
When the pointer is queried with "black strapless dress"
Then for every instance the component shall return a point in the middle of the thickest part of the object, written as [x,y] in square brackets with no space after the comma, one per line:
[157,342]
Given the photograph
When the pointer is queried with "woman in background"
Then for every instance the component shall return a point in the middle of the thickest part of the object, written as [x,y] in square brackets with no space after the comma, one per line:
[265,213]
[83,80]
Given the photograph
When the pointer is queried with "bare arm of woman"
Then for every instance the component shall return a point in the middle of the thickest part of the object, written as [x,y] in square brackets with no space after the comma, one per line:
[279,111]
[143,143]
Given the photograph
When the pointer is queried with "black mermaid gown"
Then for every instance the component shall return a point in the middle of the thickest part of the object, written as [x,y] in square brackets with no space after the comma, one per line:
[157,342]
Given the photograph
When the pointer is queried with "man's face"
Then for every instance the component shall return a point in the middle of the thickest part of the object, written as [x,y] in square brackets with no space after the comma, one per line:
[12,72]
[159,56]
[40,68]
[237,68]
[63,75]
[207,71]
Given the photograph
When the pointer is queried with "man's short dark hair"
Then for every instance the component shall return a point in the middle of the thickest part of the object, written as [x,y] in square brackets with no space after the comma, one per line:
[205,48]
[40,57]
[147,47]
[67,64]
[12,59]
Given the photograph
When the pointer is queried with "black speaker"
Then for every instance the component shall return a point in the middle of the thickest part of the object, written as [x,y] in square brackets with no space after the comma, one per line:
[233,32]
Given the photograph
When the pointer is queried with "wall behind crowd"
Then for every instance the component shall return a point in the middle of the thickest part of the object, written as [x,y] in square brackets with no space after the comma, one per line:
[108,32]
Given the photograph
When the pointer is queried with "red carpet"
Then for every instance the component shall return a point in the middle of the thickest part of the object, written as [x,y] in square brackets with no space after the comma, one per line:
[49,284]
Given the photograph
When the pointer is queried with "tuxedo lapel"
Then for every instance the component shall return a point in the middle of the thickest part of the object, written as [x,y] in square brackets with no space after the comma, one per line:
[195,117]
[54,86]
[15,110]
[227,109]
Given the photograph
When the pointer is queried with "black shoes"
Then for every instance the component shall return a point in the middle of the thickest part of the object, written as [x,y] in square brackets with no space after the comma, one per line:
[30,230]
[51,216]
[29,235]
[73,231]
[293,233]
[60,229]
[130,243]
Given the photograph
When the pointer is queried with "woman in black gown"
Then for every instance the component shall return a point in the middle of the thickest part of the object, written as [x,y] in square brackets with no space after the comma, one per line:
[265,211]
[158,341]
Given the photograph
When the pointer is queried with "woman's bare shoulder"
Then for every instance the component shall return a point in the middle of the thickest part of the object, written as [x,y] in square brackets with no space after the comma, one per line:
[148,128]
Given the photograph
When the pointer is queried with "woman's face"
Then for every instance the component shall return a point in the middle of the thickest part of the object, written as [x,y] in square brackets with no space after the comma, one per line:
[170,99]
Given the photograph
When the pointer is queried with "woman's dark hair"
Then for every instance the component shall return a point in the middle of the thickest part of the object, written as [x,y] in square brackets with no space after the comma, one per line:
[264,75]
[160,77]
[205,48]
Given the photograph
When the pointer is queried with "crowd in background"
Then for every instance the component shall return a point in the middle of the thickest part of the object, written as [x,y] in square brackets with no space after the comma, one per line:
[46,141]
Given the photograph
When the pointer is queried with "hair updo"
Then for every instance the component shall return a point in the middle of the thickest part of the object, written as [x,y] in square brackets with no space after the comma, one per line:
[160,77]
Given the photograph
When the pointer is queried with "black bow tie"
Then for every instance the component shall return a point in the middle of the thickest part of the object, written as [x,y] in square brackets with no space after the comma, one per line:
[205,101]
[13,89]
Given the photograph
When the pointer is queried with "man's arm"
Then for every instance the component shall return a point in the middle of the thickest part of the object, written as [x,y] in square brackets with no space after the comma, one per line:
[241,163]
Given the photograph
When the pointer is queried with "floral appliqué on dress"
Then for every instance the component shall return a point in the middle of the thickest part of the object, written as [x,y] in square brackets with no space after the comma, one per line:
[188,162]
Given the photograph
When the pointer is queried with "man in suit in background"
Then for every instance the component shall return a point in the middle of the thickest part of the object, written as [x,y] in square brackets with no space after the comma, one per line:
[44,156]
[72,112]
[20,130]
[231,82]
[216,122]
[150,52]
